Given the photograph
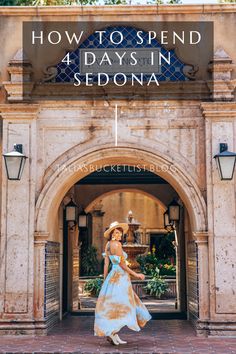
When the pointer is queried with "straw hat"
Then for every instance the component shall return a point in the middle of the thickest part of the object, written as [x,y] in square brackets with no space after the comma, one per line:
[114,225]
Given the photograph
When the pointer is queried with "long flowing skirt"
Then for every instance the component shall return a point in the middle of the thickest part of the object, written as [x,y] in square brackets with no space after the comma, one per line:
[118,305]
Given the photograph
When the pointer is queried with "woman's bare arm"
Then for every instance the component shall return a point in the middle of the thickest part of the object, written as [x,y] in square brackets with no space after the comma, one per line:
[106,263]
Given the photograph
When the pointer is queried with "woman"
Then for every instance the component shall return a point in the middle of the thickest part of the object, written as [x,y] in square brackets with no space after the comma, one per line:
[118,305]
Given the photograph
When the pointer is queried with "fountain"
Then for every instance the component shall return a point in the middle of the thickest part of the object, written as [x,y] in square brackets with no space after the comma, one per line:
[132,246]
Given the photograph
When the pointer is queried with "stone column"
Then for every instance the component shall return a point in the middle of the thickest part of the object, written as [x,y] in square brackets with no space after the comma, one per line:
[17,222]
[178,270]
[181,261]
[220,120]
[40,240]
[46,282]
[203,274]
[74,248]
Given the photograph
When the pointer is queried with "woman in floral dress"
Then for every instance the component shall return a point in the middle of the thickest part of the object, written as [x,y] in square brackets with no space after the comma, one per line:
[118,305]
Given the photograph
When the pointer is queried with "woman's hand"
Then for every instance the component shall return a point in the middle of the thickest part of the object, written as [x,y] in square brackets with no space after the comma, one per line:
[140,276]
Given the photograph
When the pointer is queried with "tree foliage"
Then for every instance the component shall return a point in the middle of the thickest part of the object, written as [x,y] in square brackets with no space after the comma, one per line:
[83,2]
[227,1]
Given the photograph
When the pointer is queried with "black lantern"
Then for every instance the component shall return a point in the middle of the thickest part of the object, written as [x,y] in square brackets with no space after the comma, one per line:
[71,210]
[174,211]
[166,219]
[225,161]
[82,219]
[14,162]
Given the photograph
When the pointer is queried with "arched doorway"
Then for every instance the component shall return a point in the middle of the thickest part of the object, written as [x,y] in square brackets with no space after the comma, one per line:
[115,203]
[59,181]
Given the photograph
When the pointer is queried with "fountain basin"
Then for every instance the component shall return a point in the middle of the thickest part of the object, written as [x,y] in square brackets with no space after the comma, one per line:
[134,250]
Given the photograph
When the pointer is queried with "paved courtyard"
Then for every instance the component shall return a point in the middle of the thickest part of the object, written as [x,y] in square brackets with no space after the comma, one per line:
[75,335]
[152,304]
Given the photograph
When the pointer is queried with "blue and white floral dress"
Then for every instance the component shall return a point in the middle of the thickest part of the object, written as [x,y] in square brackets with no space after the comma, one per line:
[118,305]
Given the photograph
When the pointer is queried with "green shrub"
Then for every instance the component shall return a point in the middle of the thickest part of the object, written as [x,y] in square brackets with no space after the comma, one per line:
[149,262]
[167,269]
[166,248]
[156,286]
[93,286]
[89,261]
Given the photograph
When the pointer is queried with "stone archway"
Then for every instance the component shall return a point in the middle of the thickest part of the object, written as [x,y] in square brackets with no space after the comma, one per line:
[65,176]
[76,166]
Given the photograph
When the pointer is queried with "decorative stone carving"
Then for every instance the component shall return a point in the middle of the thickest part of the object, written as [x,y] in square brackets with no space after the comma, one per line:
[221,86]
[49,73]
[20,86]
[97,209]
[190,71]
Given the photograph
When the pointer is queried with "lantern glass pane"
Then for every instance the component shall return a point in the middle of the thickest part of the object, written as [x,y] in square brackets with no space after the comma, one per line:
[70,213]
[166,219]
[226,164]
[174,213]
[14,166]
[22,167]
[82,220]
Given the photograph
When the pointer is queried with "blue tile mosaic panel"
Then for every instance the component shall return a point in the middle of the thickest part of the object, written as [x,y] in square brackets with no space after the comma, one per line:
[172,72]
[52,282]
[193,280]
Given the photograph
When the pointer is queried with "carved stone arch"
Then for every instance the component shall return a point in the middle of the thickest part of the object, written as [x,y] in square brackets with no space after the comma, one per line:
[82,149]
[60,181]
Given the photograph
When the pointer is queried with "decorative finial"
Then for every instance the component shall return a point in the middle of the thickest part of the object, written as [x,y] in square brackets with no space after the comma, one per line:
[130,216]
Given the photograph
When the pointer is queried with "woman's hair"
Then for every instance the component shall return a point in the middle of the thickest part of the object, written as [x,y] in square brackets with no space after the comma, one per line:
[117,228]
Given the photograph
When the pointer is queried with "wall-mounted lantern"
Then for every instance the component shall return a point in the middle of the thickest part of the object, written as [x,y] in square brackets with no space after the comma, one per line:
[167,223]
[71,212]
[174,211]
[83,219]
[14,162]
[225,161]
[171,216]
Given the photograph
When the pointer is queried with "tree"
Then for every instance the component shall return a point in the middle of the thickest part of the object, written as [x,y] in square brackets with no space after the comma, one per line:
[83,2]
[115,2]
[174,2]
[45,2]
[227,1]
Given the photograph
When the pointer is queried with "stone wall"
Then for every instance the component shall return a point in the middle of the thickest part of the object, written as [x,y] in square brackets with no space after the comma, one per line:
[175,127]
[222,15]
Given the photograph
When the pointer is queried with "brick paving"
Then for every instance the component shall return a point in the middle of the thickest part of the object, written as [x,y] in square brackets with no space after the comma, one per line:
[75,335]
